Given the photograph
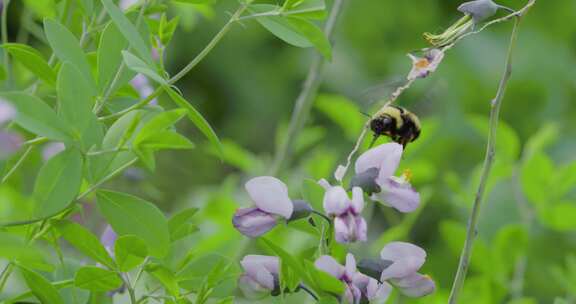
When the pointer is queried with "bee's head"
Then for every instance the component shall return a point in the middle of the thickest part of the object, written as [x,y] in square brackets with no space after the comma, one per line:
[382,125]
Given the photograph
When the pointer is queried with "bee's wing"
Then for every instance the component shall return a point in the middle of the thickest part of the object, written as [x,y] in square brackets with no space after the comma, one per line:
[379,91]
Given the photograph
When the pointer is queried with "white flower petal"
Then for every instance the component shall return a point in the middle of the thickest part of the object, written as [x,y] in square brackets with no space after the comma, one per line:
[407,259]
[336,201]
[271,195]
[385,158]
[328,264]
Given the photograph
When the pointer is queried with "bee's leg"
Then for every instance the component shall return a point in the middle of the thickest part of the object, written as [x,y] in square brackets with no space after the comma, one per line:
[373,140]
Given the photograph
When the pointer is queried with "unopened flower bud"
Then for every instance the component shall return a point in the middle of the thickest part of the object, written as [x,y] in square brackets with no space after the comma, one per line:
[480,10]
[301,210]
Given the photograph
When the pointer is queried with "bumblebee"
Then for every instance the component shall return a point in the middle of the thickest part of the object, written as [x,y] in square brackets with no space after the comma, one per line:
[401,125]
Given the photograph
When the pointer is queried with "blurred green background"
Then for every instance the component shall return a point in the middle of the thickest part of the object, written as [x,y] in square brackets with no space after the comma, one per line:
[526,246]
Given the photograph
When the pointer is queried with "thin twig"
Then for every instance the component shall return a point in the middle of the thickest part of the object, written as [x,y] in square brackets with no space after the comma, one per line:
[207,49]
[306,97]
[17,164]
[488,162]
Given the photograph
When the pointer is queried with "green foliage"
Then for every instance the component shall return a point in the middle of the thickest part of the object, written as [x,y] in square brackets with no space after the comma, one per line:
[129,252]
[41,287]
[97,279]
[33,60]
[84,241]
[131,215]
[58,183]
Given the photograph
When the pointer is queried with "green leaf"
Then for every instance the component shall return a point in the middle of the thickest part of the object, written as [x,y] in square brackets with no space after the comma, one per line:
[279,26]
[180,224]
[58,183]
[507,141]
[85,241]
[291,262]
[15,248]
[131,215]
[165,140]
[67,48]
[129,31]
[165,276]
[313,34]
[76,104]
[32,60]
[197,119]
[313,193]
[42,289]
[315,9]
[137,65]
[129,251]
[343,112]
[109,57]
[159,123]
[96,279]
[326,282]
[37,117]
[87,6]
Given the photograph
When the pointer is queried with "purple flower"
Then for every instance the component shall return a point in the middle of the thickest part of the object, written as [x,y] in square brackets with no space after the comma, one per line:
[125,4]
[424,66]
[7,111]
[108,239]
[406,259]
[270,197]
[10,143]
[260,277]
[51,149]
[394,191]
[141,84]
[358,285]
[349,225]
[480,10]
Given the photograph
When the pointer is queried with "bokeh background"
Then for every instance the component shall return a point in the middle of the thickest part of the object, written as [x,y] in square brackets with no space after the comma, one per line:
[526,247]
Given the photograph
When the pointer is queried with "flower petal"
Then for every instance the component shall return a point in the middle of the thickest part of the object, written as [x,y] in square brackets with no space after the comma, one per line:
[480,10]
[108,239]
[336,201]
[271,195]
[407,259]
[342,230]
[415,285]
[258,268]
[399,195]
[7,112]
[10,143]
[361,229]
[51,149]
[328,264]
[251,289]
[373,290]
[350,267]
[385,157]
[357,200]
[253,222]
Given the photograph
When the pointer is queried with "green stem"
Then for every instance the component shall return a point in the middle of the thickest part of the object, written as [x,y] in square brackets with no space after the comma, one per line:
[207,49]
[99,105]
[5,40]
[306,97]
[17,164]
[79,197]
[487,167]
[5,274]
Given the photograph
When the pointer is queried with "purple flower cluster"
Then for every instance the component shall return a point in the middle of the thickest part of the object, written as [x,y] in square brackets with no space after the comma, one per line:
[372,280]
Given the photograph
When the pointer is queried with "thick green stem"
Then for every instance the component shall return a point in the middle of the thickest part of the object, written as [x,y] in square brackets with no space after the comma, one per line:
[487,167]
[207,49]
[306,97]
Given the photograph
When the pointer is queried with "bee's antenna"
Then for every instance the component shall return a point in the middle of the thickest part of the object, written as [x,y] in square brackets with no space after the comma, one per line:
[365,114]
